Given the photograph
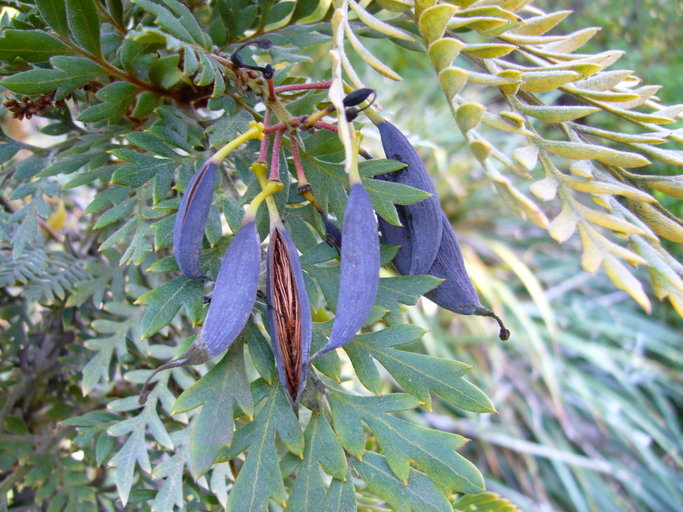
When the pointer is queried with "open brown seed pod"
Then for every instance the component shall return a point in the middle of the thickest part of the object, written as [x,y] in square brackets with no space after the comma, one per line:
[289,313]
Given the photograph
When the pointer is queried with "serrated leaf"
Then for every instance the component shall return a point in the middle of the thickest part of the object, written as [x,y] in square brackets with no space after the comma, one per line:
[171,491]
[420,494]
[384,194]
[218,392]
[419,374]
[260,478]
[402,290]
[164,302]
[116,98]
[322,448]
[431,451]
[141,168]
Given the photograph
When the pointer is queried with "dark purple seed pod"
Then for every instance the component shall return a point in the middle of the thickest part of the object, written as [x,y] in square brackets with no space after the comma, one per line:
[456,293]
[289,313]
[357,97]
[188,231]
[233,300]
[359,269]
[235,292]
[421,220]
[333,237]
[398,235]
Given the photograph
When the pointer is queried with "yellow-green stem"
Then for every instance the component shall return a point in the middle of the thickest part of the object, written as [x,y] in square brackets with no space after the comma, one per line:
[271,188]
[261,171]
[354,173]
[255,131]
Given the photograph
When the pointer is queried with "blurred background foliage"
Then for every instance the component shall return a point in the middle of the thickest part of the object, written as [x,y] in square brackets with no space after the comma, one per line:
[588,389]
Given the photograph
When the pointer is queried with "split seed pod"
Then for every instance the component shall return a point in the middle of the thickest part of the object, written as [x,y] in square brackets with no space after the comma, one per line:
[359,269]
[188,231]
[231,305]
[289,313]
[422,220]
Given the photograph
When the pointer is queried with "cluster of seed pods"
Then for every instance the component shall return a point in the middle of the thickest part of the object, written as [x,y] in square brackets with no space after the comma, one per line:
[428,246]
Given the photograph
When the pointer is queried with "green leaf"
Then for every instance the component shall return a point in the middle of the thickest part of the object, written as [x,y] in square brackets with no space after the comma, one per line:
[322,448]
[134,450]
[119,211]
[30,45]
[73,72]
[116,98]
[432,451]
[218,392]
[418,374]
[164,302]
[114,338]
[484,502]
[165,72]
[260,478]
[84,23]
[141,168]
[170,493]
[341,496]
[384,194]
[419,494]
[168,20]
[261,353]
[54,14]
[402,290]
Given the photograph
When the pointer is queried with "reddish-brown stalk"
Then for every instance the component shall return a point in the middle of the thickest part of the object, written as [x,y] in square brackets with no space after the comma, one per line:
[275,157]
[325,126]
[300,176]
[303,87]
[263,153]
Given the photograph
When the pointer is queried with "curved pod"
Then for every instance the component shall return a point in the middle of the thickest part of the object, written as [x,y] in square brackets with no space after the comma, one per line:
[188,231]
[359,269]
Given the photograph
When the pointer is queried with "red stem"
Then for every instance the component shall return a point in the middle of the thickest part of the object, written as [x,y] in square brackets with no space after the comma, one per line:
[275,157]
[263,154]
[326,126]
[303,87]
[300,176]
